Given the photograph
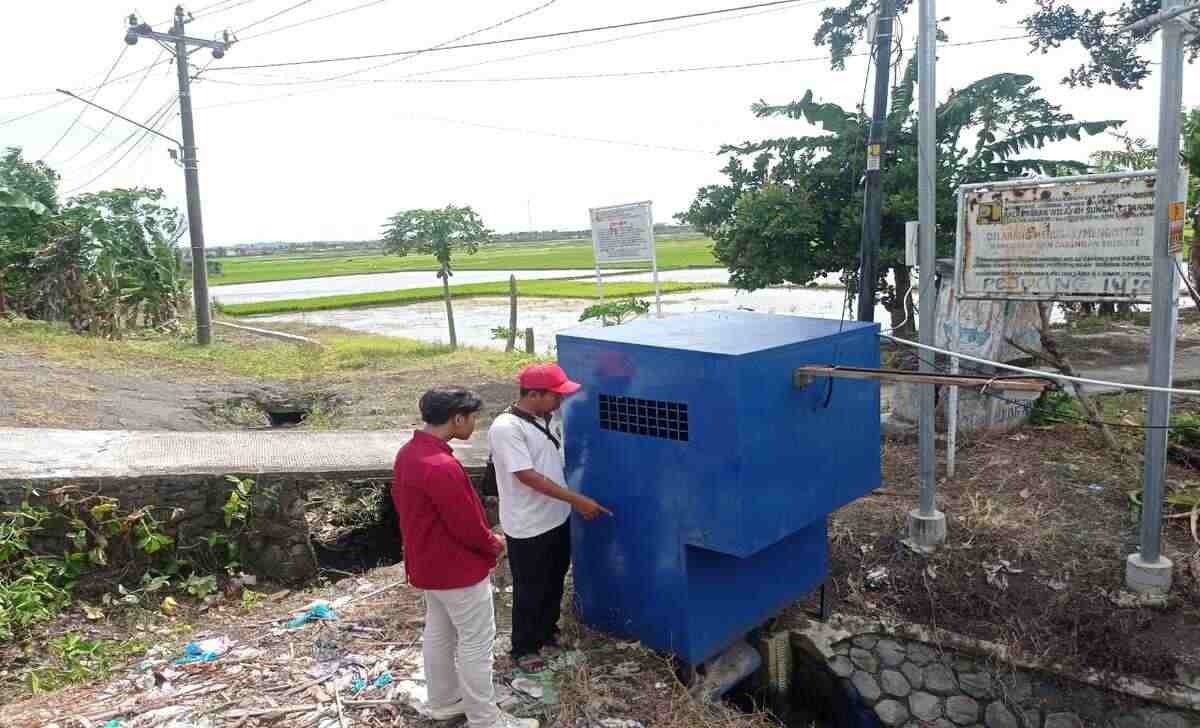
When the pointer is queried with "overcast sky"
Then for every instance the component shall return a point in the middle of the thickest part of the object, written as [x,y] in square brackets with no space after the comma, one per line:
[305,161]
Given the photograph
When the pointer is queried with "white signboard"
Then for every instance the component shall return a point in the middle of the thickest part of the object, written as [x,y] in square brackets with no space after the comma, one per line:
[622,233]
[1082,241]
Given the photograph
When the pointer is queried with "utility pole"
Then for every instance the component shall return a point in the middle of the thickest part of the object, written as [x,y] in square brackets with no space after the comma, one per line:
[926,524]
[1148,571]
[191,177]
[868,268]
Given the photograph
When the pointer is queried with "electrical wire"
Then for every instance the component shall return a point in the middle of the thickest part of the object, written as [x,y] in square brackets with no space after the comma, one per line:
[157,120]
[272,31]
[519,56]
[120,110]
[71,127]
[570,76]
[519,39]
[202,14]
[443,44]
[271,17]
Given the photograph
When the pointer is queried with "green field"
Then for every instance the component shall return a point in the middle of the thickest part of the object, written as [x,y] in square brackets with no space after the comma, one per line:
[673,253]
[539,289]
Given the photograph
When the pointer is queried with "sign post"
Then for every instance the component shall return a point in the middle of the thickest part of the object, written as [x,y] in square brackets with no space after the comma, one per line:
[625,234]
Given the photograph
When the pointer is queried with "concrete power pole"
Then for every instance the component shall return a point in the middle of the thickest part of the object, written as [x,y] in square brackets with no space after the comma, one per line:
[868,269]
[191,177]
[1148,571]
[926,524]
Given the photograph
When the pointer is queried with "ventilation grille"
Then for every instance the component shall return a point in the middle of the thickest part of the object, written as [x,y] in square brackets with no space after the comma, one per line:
[650,417]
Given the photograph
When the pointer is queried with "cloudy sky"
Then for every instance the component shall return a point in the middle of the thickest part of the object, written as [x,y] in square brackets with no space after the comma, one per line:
[285,155]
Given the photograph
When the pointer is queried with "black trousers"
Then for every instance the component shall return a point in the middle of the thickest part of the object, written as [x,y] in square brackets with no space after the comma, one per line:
[539,568]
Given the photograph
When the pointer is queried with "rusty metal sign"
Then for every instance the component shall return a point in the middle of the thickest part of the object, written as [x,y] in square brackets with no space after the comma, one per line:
[1078,240]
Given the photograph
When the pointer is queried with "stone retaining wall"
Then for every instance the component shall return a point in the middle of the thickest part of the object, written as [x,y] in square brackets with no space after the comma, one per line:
[276,546]
[880,679]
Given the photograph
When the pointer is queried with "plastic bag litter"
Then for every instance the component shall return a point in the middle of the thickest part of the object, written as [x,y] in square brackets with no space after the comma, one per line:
[318,610]
[203,651]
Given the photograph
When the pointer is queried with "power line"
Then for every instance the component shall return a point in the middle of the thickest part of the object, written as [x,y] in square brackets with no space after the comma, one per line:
[319,18]
[120,110]
[489,61]
[413,78]
[443,44]
[504,41]
[271,17]
[202,13]
[156,120]
[579,76]
[82,111]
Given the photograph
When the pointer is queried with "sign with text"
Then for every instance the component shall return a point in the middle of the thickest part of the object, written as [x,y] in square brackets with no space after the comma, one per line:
[1079,241]
[622,233]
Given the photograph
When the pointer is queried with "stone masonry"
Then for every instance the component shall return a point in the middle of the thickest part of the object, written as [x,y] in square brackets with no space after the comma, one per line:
[909,684]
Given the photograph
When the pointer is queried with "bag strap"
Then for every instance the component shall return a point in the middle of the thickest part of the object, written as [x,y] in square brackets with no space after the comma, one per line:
[523,415]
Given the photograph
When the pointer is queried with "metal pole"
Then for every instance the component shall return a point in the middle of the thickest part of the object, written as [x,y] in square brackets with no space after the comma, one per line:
[1149,570]
[654,260]
[868,270]
[927,525]
[192,183]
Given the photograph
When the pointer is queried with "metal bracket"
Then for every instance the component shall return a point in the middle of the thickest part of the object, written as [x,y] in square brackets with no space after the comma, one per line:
[801,378]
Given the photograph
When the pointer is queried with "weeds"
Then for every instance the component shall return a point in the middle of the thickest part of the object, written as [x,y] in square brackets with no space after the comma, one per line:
[75,659]
[36,584]
[1054,407]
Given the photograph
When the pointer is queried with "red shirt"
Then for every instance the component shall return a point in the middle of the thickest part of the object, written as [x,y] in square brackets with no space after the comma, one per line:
[447,541]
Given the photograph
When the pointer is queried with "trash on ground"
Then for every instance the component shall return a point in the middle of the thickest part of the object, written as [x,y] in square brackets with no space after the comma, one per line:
[318,610]
[203,651]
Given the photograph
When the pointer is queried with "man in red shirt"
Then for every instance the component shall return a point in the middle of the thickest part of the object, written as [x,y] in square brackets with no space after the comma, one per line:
[449,552]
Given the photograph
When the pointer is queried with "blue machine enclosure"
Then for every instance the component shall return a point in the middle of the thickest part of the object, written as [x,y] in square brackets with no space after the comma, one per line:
[720,472]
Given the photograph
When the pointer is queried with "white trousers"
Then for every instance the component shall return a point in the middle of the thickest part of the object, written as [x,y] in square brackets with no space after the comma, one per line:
[460,630]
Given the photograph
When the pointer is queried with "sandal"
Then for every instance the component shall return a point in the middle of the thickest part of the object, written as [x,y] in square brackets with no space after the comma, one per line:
[530,663]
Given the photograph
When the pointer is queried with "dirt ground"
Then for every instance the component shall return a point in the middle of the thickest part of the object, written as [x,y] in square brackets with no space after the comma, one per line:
[38,391]
[378,627]
[1039,523]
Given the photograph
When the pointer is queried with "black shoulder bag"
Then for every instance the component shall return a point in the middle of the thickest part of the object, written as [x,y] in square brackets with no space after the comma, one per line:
[487,486]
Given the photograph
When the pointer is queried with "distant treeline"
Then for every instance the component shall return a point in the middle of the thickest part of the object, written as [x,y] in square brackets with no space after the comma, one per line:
[327,246]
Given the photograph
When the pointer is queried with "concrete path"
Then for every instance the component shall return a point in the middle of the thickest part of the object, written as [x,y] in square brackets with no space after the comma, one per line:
[44,454]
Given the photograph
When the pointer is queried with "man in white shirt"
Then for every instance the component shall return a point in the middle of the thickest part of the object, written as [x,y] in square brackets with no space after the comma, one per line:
[535,507]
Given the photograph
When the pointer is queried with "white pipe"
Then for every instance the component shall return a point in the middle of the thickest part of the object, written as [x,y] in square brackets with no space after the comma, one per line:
[1046,375]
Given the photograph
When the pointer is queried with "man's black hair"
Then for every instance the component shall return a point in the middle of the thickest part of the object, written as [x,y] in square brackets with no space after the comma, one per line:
[526,392]
[440,405]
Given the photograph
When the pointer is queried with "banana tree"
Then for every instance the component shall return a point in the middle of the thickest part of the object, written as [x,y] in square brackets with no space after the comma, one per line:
[791,211]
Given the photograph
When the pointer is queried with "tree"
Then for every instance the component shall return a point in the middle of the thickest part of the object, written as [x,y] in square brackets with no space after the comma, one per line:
[1132,155]
[438,233]
[102,262]
[792,210]
[1114,58]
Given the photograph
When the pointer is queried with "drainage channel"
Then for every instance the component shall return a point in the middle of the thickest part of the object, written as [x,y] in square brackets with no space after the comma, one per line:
[353,526]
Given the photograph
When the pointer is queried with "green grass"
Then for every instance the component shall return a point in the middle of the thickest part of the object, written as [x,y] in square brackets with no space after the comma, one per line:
[341,353]
[538,289]
[673,253]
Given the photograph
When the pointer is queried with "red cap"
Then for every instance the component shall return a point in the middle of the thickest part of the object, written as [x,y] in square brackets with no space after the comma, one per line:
[549,377]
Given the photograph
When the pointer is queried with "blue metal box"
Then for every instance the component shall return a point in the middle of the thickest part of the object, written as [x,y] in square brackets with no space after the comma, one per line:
[719,470]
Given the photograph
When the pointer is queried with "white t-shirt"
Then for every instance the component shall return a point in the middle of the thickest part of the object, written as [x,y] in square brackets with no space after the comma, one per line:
[518,445]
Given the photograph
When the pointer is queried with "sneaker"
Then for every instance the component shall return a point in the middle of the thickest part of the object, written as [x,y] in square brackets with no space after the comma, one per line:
[512,721]
[449,712]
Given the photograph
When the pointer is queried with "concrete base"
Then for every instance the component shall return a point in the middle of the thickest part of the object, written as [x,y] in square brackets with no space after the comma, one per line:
[1146,577]
[926,532]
